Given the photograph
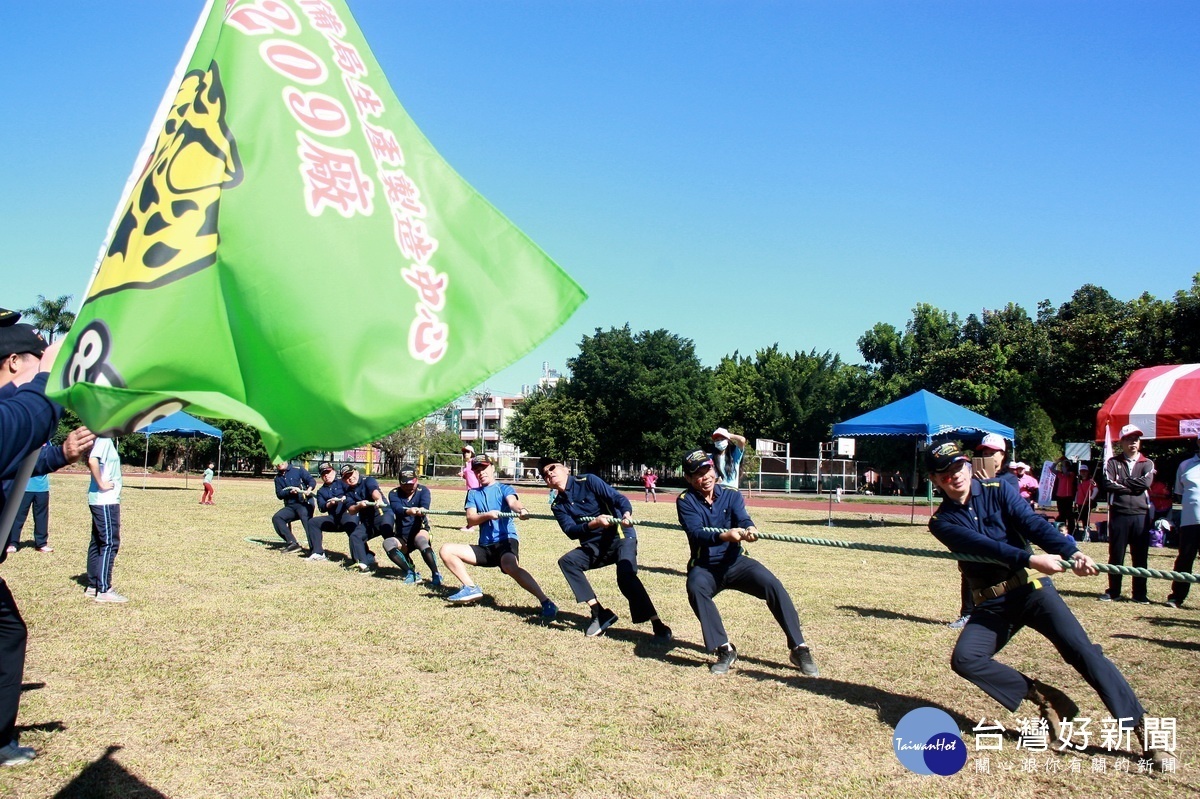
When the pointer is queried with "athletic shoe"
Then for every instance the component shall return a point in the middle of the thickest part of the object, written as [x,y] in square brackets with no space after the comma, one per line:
[1157,757]
[726,655]
[110,596]
[1171,603]
[317,556]
[292,547]
[601,623]
[1054,706]
[802,659]
[11,549]
[90,592]
[46,548]
[1105,597]
[662,633]
[436,580]
[1141,600]
[14,755]
[550,610]
[412,578]
[468,593]
[960,622]
[362,567]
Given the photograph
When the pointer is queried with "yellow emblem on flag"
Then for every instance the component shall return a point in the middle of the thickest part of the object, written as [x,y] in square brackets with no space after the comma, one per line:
[169,227]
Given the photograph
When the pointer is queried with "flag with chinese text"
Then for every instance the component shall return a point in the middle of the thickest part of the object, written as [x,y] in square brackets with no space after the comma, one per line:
[293,253]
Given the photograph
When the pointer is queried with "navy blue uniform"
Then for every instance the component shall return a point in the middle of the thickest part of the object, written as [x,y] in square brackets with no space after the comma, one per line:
[335,518]
[296,507]
[587,496]
[407,526]
[995,522]
[27,420]
[372,522]
[716,565]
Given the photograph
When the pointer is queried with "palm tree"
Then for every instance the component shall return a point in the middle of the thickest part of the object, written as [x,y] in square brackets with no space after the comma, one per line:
[51,317]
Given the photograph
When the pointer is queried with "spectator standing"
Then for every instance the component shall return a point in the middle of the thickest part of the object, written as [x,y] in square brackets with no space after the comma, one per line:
[1126,479]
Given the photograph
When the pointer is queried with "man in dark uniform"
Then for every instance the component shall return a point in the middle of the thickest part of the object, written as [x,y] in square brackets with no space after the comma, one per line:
[408,502]
[331,498]
[365,500]
[294,486]
[716,522]
[607,538]
[989,518]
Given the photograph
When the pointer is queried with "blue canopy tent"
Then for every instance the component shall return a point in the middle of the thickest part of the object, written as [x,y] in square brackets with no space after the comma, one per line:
[923,416]
[182,425]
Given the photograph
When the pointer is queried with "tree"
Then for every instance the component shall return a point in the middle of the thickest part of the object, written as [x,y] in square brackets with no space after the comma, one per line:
[402,447]
[51,317]
[548,422]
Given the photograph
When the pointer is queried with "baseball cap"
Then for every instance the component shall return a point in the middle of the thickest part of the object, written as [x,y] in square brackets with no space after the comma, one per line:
[480,462]
[696,460]
[347,468]
[468,448]
[8,317]
[992,442]
[325,466]
[1083,467]
[1018,465]
[408,476]
[1131,430]
[940,458]
[18,339]
[546,461]
[720,432]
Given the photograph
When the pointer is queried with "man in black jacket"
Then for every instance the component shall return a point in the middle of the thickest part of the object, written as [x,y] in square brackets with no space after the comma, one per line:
[1127,477]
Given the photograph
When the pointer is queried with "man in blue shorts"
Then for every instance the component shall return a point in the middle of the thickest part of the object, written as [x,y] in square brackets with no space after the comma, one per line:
[498,544]
[409,501]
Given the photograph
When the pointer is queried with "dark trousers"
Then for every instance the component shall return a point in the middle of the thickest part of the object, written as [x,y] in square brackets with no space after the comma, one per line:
[1066,513]
[1039,607]
[1132,532]
[619,550]
[40,502]
[968,602]
[383,524]
[318,526]
[1189,543]
[285,516]
[12,662]
[103,548]
[750,577]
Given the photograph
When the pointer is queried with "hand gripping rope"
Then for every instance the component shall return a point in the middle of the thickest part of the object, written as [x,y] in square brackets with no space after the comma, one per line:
[1107,568]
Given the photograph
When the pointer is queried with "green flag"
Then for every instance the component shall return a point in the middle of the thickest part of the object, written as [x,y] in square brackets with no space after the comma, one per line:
[293,253]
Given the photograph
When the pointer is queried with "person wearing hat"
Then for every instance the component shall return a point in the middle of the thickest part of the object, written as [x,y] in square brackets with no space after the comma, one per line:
[409,501]
[983,517]
[600,518]
[716,522]
[728,449]
[1187,487]
[1085,500]
[294,485]
[1027,484]
[366,503]
[1126,479]
[468,476]
[27,421]
[498,545]
[330,499]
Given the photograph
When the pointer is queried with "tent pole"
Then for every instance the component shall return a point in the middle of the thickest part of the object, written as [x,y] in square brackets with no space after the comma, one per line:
[912,516]
[146,462]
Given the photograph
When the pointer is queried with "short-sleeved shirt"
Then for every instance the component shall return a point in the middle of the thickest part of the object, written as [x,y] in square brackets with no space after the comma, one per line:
[39,484]
[728,465]
[469,475]
[489,498]
[105,452]
[208,475]
[1187,485]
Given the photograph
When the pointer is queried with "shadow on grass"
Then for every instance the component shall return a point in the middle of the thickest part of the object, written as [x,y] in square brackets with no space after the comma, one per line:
[662,570]
[107,779]
[1158,621]
[837,522]
[880,613]
[166,488]
[45,726]
[1188,646]
[32,686]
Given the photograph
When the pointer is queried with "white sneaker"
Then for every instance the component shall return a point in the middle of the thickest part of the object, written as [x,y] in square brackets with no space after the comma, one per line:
[317,556]
[11,549]
[90,592]
[110,596]
[14,755]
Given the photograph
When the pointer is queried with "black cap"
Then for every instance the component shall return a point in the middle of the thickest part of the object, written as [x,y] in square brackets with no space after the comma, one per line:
[480,461]
[941,457]
[8,317]
[408,476]
[325,466]
[17,339]
[696,460]
[546,461]
[347,468]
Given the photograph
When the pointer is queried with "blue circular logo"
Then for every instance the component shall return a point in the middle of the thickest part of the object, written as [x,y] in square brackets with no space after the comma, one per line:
[926,741]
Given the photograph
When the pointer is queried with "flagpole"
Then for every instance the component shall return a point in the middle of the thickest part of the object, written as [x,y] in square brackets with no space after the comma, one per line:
[143,157]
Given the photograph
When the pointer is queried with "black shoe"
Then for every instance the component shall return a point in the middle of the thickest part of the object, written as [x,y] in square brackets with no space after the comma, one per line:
[802,659]
[726,655]
[1141,600]
[600,623]
[292,547]
[662,633]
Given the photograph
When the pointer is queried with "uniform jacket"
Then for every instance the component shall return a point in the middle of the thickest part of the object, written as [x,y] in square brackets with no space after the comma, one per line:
[728,510]
[294,477]
[587,496]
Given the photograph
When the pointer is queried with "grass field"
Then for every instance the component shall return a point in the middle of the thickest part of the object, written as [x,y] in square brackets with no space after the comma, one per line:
[238,671]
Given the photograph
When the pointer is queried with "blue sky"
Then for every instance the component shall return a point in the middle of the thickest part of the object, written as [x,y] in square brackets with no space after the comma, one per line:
[738,173]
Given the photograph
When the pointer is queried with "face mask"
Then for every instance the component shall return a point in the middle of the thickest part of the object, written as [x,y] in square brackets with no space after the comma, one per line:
[720,444]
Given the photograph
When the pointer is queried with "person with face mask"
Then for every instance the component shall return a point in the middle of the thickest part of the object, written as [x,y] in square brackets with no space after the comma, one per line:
[728,449]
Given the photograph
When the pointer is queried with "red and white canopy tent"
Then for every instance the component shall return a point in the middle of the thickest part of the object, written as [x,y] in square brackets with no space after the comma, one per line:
[1163,401]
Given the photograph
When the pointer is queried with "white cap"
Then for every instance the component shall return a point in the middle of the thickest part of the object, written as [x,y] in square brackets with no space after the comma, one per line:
[1130,430]
[1018,465]
[720,432]
[993,442]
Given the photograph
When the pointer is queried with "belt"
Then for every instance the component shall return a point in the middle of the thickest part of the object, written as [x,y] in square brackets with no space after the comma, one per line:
[981,595]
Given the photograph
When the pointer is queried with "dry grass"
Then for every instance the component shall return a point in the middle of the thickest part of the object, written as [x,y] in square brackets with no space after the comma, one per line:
[236,671]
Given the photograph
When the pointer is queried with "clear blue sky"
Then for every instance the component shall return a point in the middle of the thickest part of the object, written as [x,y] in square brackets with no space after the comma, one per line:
[740,173]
